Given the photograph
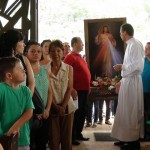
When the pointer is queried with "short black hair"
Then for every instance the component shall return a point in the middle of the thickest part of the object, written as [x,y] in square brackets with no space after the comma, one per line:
[128,28]
[7,64]
[148,43]
[56,43]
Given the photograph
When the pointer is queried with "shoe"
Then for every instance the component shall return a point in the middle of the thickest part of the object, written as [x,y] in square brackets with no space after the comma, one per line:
[74,142]
[99,122]
[131,146]
[119,143]
[94,125]
[81,138]
[88,124]
[108,122]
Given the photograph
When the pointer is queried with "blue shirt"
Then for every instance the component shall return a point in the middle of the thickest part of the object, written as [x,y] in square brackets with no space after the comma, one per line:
[146,76]
[42,84]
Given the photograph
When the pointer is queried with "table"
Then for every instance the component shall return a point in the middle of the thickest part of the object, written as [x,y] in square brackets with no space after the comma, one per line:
[97,94]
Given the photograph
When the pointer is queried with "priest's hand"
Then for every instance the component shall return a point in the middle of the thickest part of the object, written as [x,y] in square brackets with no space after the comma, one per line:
[118,67]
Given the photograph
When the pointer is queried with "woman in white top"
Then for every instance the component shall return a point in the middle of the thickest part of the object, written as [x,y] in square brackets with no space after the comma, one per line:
[62,110]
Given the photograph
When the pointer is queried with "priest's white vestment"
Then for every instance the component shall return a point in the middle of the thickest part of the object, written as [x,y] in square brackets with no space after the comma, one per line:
[129,119]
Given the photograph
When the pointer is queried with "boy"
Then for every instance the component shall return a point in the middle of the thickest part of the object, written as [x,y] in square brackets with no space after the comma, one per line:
[16,105]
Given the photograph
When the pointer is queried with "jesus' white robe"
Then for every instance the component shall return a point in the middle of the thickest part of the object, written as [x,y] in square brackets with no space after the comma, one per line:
[129,119]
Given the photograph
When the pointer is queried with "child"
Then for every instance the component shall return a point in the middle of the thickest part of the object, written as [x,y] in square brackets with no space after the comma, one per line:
[33,53]
[16,105]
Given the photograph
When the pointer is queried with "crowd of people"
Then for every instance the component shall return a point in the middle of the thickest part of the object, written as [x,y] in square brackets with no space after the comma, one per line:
[61,75]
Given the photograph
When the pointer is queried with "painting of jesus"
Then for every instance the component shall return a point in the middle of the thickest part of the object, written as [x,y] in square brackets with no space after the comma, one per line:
[104,47]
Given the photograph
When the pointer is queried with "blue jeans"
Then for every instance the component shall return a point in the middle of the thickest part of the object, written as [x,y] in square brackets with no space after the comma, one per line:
[92,111]
[108,109]
[114,106]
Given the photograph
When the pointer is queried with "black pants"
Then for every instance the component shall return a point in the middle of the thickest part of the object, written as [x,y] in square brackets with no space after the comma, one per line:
[147,113]
[80,114]
[39,137]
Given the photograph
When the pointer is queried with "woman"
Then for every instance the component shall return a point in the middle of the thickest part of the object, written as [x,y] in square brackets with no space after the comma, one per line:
[39,137]
[12,44]
[62,110]
[46,60]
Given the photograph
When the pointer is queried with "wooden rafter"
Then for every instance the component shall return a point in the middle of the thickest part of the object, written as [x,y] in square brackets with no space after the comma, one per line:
[19,9]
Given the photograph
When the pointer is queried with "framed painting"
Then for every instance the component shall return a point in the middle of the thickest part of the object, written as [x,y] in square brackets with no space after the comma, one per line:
[103,46]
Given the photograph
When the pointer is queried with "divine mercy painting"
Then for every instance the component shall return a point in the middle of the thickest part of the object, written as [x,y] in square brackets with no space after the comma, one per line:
[104,47]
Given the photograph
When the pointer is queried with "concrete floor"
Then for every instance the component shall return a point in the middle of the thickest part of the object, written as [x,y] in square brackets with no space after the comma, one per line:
[94,145]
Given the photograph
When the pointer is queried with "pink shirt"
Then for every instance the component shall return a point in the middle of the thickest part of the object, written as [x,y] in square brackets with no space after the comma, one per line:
[81,73]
